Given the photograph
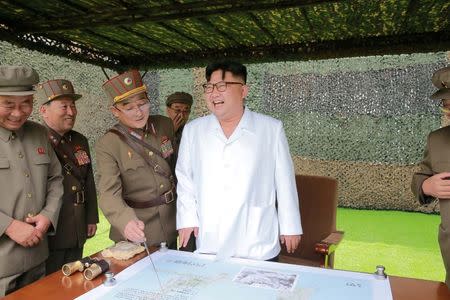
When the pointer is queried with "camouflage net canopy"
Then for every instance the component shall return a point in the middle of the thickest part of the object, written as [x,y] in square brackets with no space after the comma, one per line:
[120,34]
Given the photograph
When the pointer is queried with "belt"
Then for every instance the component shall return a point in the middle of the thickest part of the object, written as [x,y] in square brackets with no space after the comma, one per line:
[165,198]
[79,198]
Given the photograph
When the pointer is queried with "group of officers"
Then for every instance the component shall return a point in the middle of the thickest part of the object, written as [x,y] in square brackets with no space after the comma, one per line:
[49,197]
[225,180]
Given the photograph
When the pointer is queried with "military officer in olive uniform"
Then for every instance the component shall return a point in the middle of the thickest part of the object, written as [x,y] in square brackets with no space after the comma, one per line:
[30,183]
[136,184]
[79,213]
[178,109]
[433,179]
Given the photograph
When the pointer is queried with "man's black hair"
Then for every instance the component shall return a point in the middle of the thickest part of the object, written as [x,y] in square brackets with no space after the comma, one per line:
[234,67]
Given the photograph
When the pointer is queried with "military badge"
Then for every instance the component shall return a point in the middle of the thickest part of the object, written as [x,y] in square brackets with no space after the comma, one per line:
[128,81]
[82,157]
[166,147]
[40,150]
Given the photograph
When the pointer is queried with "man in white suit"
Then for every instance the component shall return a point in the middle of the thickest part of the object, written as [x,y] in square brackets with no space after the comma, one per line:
[236,182]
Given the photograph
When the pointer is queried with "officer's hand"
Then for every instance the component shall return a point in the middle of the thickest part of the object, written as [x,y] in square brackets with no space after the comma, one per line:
[178,121]
[41,222]
[24,234]
[134,231]
[185,233]
[291,241]
[91,229]
[436,186]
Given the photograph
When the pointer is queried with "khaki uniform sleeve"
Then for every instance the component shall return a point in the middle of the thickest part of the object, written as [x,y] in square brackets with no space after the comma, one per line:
[55,190]
[420,176]
[5,220]
[110,188]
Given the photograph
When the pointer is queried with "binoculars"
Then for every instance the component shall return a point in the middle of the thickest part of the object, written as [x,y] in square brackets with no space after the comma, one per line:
[98,267]
[90,267]
[78,265]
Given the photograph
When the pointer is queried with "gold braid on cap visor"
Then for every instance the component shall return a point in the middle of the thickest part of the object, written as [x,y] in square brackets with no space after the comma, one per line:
[142,88]
[445,110]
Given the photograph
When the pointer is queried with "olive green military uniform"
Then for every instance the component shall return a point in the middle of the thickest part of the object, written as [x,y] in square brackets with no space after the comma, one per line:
[135,181]
[30,180]
[31,183]
[79,206]
[125,175]
[437,160]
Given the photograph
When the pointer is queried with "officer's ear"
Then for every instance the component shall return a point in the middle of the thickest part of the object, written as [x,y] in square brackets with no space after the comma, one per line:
[43,109]
[113,110]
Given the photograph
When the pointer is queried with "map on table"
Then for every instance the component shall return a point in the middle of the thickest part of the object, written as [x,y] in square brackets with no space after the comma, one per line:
[193,276]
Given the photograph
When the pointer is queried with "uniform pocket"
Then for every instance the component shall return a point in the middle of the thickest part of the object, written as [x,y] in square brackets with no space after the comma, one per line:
[132,164]
[4,163]
[41,160]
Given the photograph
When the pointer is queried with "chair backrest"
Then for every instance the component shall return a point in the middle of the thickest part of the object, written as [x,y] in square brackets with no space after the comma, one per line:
[318,205]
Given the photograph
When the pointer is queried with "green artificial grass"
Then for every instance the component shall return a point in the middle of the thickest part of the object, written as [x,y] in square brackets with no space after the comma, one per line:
[101,239]
[405,243]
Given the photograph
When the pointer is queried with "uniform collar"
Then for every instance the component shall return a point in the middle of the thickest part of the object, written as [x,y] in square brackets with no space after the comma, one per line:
[6,134]
[56,138]
[140,132]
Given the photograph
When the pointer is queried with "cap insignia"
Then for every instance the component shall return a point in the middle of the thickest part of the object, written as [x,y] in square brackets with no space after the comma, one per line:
[128,81]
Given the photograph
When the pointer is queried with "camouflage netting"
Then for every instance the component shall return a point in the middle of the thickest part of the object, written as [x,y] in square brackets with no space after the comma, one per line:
[361,120]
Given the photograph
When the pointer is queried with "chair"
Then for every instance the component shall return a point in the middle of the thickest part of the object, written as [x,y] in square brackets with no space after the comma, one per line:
[318,204]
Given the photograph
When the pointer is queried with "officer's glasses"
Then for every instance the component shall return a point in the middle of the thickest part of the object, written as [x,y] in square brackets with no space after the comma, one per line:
[221,86]
[132,111]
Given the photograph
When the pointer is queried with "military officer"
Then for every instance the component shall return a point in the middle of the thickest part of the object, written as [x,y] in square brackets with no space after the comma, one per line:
[30,183]
[178,108]
[136,184]
[79,214]
[432,180]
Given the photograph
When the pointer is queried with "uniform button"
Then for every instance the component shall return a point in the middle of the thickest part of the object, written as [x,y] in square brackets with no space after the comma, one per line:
[150,153]
[161,186]
[65,156]
[68,173]
[29,195]
[20,155]
[74,188]
[62,141]
[27,175]
[13,136]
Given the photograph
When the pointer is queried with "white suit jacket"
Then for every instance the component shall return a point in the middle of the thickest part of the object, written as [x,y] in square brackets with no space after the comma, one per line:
[228,187]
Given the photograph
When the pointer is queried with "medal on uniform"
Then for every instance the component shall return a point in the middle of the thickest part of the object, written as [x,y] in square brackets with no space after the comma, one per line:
[82,157]
[40,150]
[166,147]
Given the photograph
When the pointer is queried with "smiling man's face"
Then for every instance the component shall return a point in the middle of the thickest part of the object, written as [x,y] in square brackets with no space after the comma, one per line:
[15,110]
[228,104]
